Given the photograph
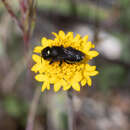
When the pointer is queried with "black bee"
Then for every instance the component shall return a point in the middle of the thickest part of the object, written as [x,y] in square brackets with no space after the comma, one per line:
[59,53]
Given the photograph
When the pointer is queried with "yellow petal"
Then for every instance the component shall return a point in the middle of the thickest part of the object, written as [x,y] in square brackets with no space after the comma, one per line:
[61,34]
[36,68]
[88,46]
[40,77]
[44,41]
[38,49]
[83,82]
[93,46]
[90,68]
[85,38]
[89,81]
[67,87]
[93,73]
[57,87]
[53,79]
[55,34]
[77,77]
[77,38]
[48,87]
[36,58]
[93,53]
[44,86]
[69,35]
[76,86]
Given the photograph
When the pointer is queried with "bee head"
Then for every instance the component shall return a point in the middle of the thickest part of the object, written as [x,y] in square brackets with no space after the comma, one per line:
[46,53]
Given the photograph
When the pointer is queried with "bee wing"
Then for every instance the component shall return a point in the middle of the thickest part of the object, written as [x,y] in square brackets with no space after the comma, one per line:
[70,52]
[73,55]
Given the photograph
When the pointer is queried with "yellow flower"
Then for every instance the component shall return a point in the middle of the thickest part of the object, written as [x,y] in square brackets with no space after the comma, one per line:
[65,76]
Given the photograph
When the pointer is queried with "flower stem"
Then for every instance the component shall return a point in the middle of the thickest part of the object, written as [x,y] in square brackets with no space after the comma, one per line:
[70,111]
[12,14]
[33,108]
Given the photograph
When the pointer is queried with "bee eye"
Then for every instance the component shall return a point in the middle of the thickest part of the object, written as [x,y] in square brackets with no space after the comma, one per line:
[48,52]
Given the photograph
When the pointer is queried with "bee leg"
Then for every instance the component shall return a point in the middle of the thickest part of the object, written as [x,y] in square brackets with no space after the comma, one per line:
[51,62]
[67,62]
[61,46]
[60,63]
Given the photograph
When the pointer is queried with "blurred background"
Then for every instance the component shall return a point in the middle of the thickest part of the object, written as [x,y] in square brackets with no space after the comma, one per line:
[104,106]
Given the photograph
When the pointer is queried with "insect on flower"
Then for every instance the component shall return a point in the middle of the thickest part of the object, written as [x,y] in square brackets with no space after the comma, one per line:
[59,53]
[69,57]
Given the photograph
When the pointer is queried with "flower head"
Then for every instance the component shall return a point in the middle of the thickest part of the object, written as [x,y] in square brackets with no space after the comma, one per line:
[67,75]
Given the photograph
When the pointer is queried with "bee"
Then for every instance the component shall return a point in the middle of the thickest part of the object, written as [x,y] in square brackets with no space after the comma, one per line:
[59,53]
